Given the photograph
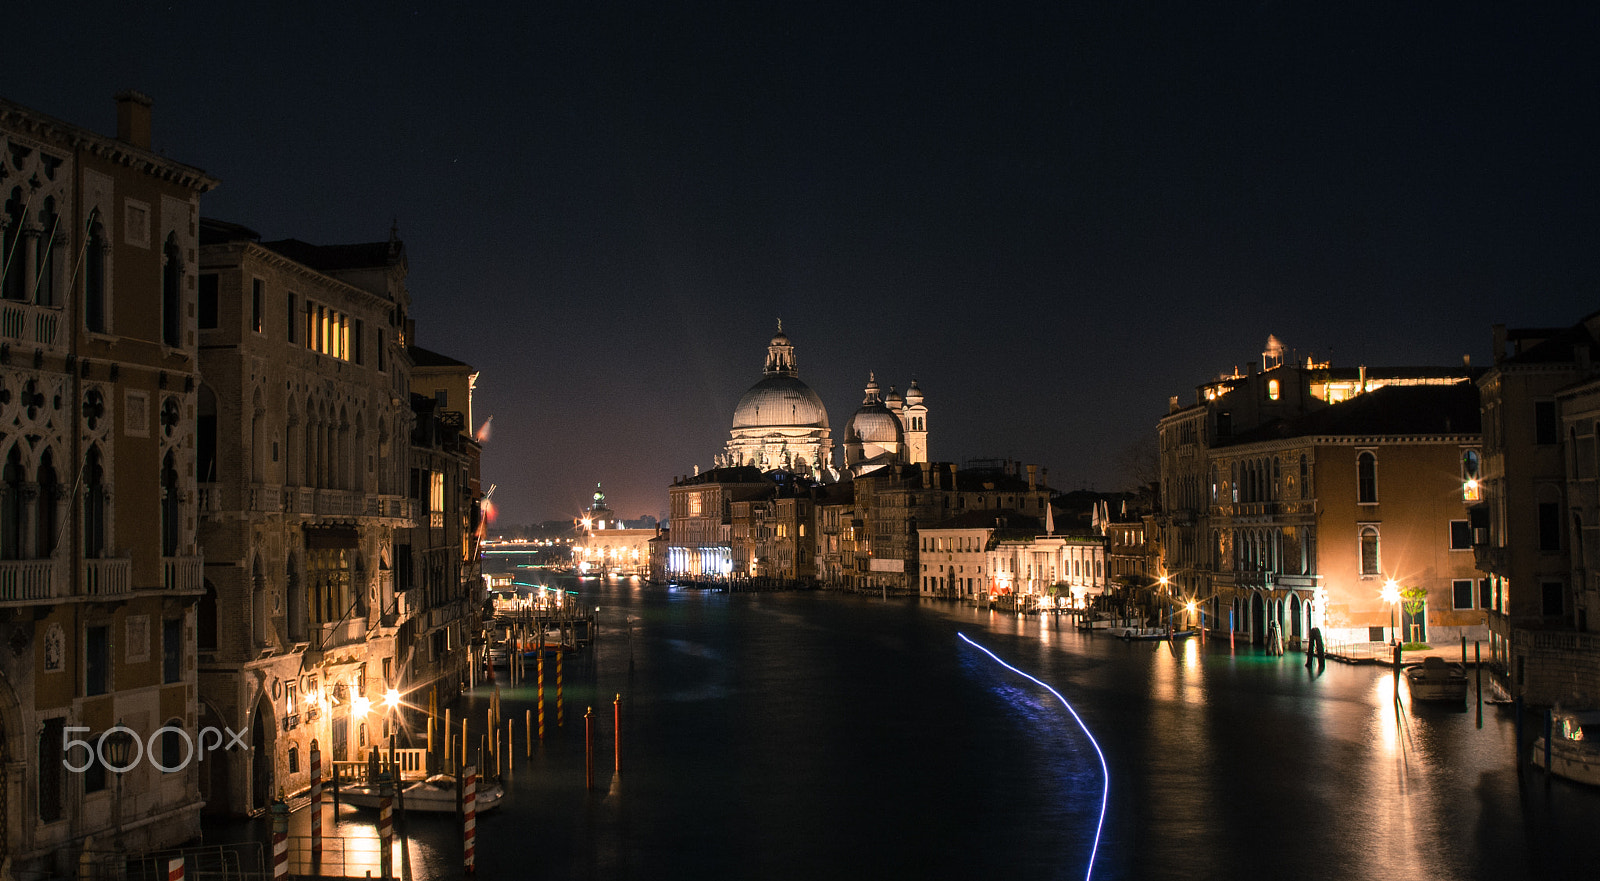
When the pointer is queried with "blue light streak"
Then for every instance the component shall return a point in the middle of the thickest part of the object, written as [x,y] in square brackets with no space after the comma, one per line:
[1105,773]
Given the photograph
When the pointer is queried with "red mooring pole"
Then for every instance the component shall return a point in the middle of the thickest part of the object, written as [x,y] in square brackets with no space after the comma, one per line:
[469,822]
[616,730]
[316,811]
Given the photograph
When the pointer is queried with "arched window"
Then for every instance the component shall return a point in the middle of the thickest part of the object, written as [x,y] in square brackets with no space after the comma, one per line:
[13,508]
[47,503]
[1369,551]
[94,505]
[94,280]
[44,283]
[171,292]
[171,510]
[12,284]
[1367,478]
[1273,390]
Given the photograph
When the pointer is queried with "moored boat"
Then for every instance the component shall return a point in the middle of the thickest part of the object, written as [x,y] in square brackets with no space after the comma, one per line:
[1437,680]
[436,794]
[1148,632]
[1575,748]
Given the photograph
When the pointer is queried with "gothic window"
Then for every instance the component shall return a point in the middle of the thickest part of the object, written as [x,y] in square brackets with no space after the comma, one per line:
[44,283]
[47,503]
[1367,478]
[171,510]
[13,508]
[94,505]
[94,280]
[12,284]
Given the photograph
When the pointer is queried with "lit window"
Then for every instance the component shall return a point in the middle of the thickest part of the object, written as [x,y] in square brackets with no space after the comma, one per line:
[1272,389]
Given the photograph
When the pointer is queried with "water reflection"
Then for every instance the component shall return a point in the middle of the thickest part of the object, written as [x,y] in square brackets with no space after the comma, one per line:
[801,735]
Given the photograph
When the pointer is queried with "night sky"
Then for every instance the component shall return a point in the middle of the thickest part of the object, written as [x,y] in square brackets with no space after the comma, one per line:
[1052,216]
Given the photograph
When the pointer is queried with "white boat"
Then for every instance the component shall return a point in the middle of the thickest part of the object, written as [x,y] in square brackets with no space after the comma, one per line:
[1147,632]
[1575,748]
[437,794]
[1437,680]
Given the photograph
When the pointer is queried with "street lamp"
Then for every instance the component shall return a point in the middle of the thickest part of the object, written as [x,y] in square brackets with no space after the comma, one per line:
[117,745]
[1391,595]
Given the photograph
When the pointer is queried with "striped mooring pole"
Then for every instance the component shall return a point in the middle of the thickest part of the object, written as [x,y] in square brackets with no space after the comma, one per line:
[175,869]
[316,811]
[280,839]
[385,827]
[469,821]
[541,690]
[561,713]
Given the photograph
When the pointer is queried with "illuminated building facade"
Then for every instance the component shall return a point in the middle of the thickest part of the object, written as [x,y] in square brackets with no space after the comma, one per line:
[1043,569]
[604,545]
[1535,530]
[1293,495]
[99,567]
[308,591]
[700,547]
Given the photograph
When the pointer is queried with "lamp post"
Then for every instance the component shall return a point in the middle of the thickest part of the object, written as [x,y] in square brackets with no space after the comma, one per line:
[117,745]
[1391,595]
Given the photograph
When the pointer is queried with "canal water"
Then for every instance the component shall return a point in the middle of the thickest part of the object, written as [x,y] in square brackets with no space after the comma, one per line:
[802,735]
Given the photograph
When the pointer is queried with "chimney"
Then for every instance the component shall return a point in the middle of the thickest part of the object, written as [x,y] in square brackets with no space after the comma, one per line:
[1499,343]
[1033,477]
[133,118]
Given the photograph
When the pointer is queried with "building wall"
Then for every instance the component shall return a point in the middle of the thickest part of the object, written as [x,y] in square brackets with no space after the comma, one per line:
[96,422]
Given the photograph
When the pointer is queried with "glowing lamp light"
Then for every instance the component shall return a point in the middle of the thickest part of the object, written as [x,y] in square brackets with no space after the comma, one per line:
[360,706]
[391,699]
[1190,605]
[1391,591]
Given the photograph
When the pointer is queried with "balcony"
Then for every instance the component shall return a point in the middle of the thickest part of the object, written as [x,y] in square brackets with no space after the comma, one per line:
[108,577]
[182,574]
[27,323]
[346,632]
[25,581]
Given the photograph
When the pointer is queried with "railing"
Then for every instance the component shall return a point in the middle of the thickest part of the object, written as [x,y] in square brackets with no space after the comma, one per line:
[266,498]
[338,503]
[389,506]
[350,630]
[413,764]
[22,580]
[182,574]
[108,577]
[28,323]
[299,500]
[210,497]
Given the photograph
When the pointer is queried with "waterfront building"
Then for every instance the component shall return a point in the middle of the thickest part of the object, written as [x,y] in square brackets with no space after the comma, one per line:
[1534,531]
[605,545]
[953,555]
[99,566]
[1274,517]
[438,575]
[307,404]
[774,536]
[700,508]
[1048,569]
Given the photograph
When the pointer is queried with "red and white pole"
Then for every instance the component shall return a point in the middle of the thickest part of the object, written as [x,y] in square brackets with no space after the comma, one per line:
[386,832]
[280,840]
[469,821]
[316,811]
[175,869]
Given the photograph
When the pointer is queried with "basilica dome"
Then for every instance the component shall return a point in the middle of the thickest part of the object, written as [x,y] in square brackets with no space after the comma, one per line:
[780,400]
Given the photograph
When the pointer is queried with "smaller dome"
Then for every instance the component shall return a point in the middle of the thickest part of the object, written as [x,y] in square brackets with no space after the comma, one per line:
[913,394]
[874,424]
[779,339]
[893,398]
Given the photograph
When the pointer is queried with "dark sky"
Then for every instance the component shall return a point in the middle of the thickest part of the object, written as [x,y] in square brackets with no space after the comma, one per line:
[1052,216]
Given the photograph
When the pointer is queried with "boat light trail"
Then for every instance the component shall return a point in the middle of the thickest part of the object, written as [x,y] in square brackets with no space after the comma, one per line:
[1105,773]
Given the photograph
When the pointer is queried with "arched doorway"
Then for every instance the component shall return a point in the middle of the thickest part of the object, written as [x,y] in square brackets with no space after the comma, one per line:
[261,753]
[1295,618]
[1258,618]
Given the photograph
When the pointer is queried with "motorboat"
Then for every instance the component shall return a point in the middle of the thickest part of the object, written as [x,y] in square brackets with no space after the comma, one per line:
[436,794]
[1575,748]
[1147,632]
[1435,679]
